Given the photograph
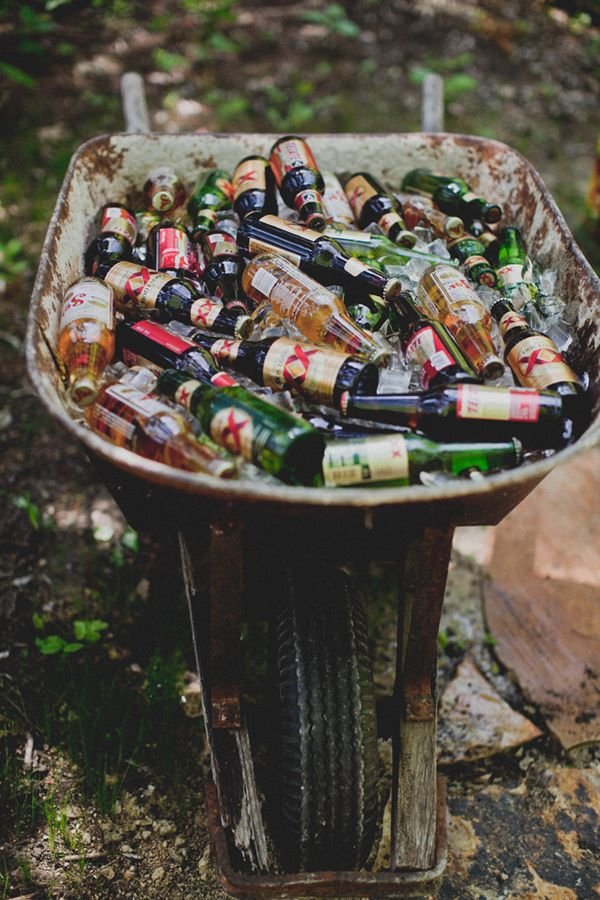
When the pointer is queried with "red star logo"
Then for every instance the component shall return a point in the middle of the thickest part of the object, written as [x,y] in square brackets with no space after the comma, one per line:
[543,356]
[249,176]
[136,283]
[302,356]
[232,437]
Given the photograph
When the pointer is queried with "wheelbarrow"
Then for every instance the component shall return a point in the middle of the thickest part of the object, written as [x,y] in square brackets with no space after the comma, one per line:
[235,537]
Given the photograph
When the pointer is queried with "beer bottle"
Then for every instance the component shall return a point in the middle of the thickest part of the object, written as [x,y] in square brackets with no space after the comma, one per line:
[401,459]
[254,187]
[86,340]
[418,212]
[445,294]
[510,266]
[223,268]
[145,343]
[377,248]
[146,220]
[464,412]
[315,311]
[428,345]
[138,421]
[320,256]
[298,178]
[452,195]
[144,291]
[490,242]
[282,444]
[117,230]
[163,190]
[212,193]
[338,211]
[372,204]
[468,250]
[317,373]
[171,251]
[536,361]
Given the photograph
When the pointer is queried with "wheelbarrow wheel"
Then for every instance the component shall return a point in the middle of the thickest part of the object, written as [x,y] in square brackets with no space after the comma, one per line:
[328,757]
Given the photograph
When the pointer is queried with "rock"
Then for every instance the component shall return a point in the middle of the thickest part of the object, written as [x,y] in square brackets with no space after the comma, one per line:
[475,722]
[158,874]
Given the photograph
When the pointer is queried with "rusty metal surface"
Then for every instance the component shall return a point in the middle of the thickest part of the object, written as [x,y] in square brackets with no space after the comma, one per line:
[383,883]
[113,166]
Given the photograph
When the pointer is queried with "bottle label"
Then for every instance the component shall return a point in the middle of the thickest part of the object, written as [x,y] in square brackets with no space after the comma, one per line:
[223,379]
[388,219]
[511,275]
[159,335]
[255,245]
[335,202]
[359,462]
[249,176]
[454,284]
[174,250]
[425,349]
[356,267]
[118,220]
[358,191]
[469,196]
[88,300]
[203,312]
[225,350]
[145,404]
[309,234]
[208,214]
[233,429]
[304,197]
[219,244]
[536,362]
[506,404]
[135,285]
[511,319]
[308,369]
[290,155]
[183,394]
[264,282]
[475,260]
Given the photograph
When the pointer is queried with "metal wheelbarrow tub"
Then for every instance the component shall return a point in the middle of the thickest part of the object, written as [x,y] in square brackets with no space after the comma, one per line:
[248,521]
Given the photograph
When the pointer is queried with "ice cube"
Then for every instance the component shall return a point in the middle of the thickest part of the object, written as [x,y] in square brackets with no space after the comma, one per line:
[439,248]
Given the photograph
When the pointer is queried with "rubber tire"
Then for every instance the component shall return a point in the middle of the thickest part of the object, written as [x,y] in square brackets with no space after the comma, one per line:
[328,751]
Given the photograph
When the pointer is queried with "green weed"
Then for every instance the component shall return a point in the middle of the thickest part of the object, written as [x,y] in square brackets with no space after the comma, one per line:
[456,80]
[85,631]
[334,18]
[34,513]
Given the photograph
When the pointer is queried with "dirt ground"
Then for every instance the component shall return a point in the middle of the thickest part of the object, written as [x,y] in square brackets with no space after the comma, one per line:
[102,751]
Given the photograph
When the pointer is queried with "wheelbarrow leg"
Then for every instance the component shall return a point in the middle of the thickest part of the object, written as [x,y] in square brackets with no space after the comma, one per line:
[414,800]
[214,585]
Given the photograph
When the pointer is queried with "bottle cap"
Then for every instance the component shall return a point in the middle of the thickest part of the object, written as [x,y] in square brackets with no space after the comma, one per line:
[392,288]
[162,200]
[405,238]
[244,327]
[492,367]
[454,227]
[83,390]
[317,221]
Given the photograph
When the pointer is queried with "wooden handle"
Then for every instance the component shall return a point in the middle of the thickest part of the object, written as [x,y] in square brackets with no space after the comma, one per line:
[432,103]
[133,97]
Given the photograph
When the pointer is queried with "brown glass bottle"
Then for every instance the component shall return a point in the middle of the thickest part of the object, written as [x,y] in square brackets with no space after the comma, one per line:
[536,361]
[115,238]
[428,344]
[320,256]
[144,291]
[298,178]
[171,251]
[318,373]
[372,204]
[254,187]
[223,269]
[163,190]
[463,412]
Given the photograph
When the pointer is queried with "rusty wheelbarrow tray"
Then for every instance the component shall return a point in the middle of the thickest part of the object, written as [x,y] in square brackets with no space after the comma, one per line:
[244,522]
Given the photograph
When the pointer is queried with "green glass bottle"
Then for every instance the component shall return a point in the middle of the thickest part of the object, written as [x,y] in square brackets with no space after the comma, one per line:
[511,263]
[452,195]
[281,444]
[377,249]
[469,252]
[212,193]
[401,459]
[372,204]
[470,412]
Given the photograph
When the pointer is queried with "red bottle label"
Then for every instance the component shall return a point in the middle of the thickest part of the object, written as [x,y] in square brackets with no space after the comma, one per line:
[425,349]
[289,155]
[219,244]
[175,250]
[163,336]
[304,197]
